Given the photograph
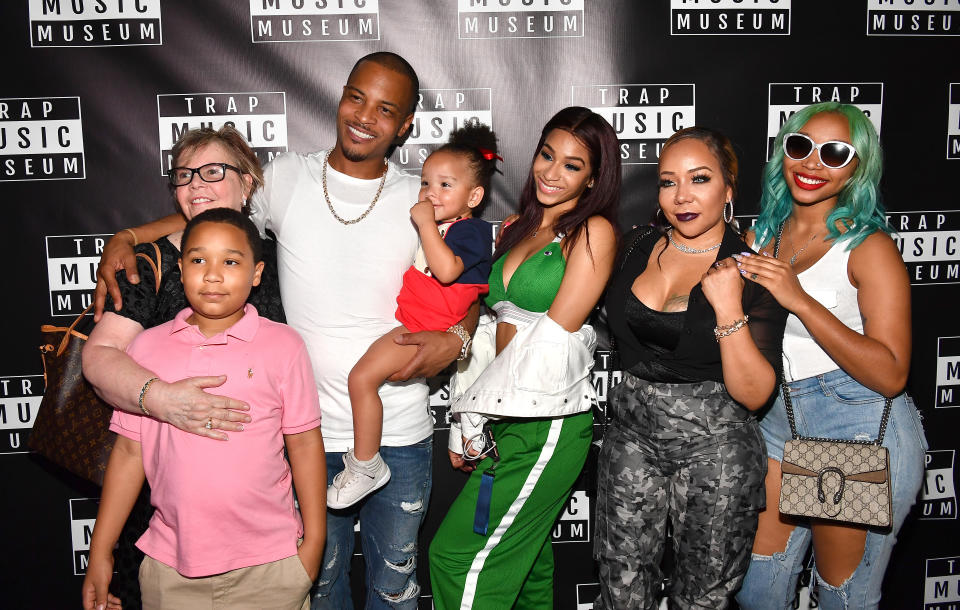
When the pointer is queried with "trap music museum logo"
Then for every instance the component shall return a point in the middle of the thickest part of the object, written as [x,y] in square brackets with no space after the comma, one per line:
[83,516]
[929,243]
[520,18]
[953,124]
[948,373]
[261,118]
[730,17]
[913,18]
[938,498]
[573,524]
[941,587]
[787,98]
[314,20]
[41,138]
[439,112]
[72,262]
[94,23]
[20,397]
[643,116]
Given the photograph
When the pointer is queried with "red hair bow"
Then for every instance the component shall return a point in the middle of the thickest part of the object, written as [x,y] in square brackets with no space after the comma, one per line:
[489,155]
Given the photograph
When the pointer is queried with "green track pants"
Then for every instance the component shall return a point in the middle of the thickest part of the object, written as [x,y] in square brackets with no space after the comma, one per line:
[512,566]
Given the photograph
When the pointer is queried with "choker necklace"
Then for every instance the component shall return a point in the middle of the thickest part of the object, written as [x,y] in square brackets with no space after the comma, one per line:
[688,249]
[326,196]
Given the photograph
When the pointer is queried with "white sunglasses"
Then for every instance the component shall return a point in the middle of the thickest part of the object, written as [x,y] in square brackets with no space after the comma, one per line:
[833,154]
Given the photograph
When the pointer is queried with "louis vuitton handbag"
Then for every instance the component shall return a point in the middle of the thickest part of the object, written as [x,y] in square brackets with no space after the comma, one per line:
[72,425]
[835,479]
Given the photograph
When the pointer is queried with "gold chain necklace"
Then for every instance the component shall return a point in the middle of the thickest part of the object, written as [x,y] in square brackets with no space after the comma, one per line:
[326,196]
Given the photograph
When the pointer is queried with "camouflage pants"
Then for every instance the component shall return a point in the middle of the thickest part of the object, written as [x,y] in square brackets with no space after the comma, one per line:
[685,455]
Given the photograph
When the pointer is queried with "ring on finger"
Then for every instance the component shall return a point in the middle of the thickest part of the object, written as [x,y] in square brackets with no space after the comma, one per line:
[718,264]
[209,424]
[753,276]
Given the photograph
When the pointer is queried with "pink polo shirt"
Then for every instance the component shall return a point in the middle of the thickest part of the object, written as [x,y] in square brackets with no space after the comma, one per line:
[223,505]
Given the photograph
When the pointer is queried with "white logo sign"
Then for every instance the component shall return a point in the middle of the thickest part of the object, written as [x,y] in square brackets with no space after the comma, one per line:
[643,116]
[573,524]
[938,498]
[20,398]
[929,243]
[41,138]
[317,21]
[260,116]
[913,18]
[520,18]
[74,23]
[726,17]
[439,112]
[941,590]
[953,122]
[83,515]
[948,373]
[72,271]
[787,98]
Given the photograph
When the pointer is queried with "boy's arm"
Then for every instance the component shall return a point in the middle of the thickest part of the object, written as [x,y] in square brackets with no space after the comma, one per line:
[118,254]
[444,264]
[309,464]
[121,486]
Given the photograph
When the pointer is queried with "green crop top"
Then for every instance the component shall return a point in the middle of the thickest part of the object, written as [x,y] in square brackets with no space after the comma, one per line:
[534,284]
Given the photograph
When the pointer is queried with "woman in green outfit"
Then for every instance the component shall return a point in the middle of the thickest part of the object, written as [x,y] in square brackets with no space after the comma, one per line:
[551,266]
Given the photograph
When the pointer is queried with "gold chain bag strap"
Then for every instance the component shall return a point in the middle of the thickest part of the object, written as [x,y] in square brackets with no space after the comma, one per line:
[72,425]
[833,479]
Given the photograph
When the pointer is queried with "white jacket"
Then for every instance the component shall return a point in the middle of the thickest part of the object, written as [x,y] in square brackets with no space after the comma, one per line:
[544,371]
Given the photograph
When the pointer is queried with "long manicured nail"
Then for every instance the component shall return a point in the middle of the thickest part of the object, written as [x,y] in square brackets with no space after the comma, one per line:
[746,253]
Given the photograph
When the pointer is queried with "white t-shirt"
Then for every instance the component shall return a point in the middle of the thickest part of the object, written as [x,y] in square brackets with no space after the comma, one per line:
[339,283]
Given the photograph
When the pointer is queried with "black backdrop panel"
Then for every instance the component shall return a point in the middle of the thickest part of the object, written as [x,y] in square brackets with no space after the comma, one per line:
[95,92]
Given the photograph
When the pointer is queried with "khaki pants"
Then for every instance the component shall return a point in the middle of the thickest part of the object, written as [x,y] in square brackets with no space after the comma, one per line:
[279,585]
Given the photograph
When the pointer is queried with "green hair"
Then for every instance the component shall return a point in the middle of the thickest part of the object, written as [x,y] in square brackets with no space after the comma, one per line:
[858,204]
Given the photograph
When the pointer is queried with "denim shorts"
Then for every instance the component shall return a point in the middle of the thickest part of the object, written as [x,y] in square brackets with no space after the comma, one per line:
[834,405]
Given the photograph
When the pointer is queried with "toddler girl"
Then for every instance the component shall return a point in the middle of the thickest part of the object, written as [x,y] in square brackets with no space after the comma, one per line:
[449,274]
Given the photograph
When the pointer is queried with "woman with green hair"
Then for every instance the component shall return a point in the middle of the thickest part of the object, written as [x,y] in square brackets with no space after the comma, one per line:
[827,257]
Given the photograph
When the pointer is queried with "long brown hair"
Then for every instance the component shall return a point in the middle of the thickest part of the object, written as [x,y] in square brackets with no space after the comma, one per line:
[603,199]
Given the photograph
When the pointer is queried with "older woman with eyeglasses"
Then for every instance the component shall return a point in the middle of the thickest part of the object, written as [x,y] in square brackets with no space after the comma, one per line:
[211,169]
[827,258]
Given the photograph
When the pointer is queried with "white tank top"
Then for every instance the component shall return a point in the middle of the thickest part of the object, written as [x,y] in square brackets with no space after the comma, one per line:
[828,283]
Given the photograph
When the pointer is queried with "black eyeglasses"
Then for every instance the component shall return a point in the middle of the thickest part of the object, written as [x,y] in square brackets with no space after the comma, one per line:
[833,154]
[211,172]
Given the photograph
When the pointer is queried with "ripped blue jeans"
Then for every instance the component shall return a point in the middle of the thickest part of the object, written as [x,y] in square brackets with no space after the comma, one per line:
[390,521]
[834,405]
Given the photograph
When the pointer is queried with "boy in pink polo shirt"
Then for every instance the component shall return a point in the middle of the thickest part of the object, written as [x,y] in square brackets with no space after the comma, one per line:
[225,533]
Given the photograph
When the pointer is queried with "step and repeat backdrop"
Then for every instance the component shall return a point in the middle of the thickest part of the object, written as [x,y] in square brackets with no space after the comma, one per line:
[95,93]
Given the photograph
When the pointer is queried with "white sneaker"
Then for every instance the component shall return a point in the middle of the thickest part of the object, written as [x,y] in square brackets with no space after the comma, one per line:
[356,481]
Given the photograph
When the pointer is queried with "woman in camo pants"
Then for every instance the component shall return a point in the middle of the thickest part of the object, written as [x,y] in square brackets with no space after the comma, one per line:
[700,351]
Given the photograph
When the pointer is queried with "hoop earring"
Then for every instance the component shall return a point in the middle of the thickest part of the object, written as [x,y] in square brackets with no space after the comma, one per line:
[656,217]
[725,218]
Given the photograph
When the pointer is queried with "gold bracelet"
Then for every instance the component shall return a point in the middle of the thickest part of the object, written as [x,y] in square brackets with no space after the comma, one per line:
[135,240]
[460,331]
[143,393]
[725,330]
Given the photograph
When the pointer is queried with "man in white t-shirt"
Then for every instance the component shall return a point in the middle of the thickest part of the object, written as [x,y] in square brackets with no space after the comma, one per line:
[342,223]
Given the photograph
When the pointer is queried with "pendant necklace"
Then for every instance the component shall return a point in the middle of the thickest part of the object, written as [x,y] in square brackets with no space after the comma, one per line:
[796,253]
[688,249]
[326,196]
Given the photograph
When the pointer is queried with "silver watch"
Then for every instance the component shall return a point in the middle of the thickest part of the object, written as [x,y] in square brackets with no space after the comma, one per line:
[461,332]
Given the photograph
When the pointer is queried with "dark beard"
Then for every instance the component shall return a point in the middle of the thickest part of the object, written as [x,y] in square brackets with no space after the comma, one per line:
[353,157]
